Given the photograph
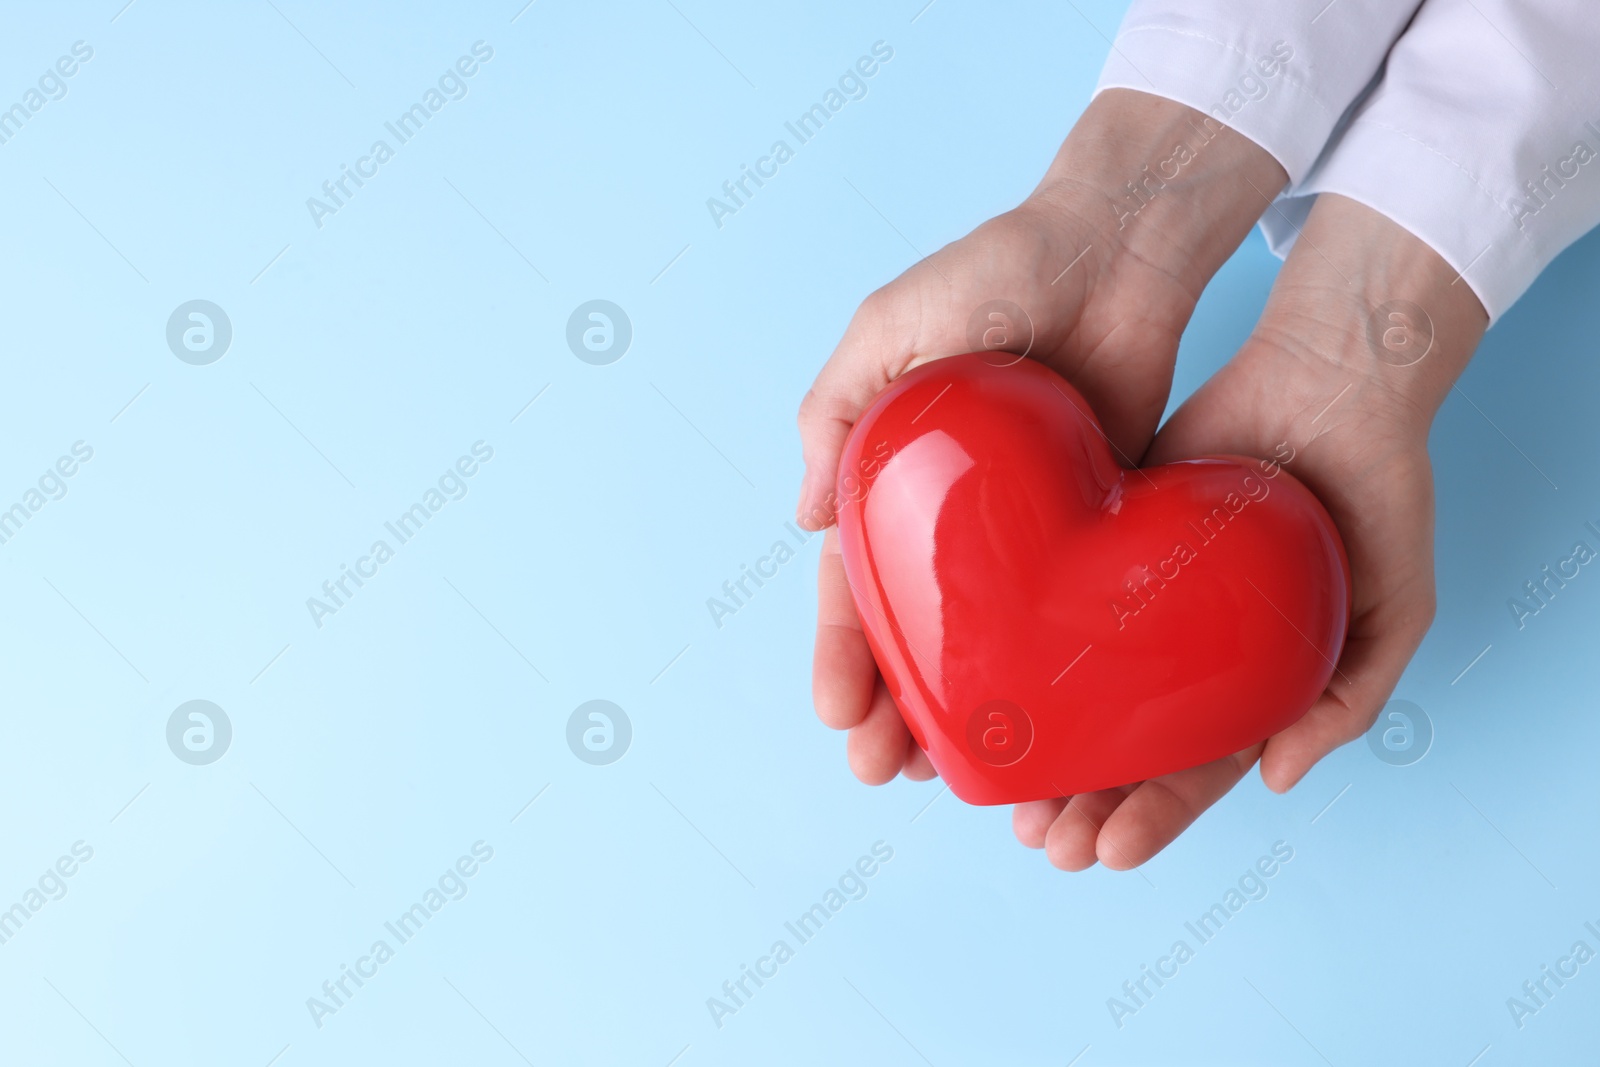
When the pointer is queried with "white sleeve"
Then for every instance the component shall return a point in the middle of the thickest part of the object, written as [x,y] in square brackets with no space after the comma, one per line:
[1280,72]
[1482,138]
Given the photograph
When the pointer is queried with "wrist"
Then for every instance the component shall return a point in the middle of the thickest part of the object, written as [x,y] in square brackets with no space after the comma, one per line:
[1162,183]
[1363,301]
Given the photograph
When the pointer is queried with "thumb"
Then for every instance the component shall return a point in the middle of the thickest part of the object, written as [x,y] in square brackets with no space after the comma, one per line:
[1204,424]
[877,348]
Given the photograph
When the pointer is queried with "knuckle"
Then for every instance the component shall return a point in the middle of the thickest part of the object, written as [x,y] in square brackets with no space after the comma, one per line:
[808,410]
[1427,609]
[878,305]
[1361,722]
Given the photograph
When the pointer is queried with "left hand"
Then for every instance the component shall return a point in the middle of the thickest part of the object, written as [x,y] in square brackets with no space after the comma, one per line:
[1357,423]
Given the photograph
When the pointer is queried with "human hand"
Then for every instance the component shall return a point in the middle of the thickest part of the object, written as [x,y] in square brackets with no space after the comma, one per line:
[1107,280]
[1350,419]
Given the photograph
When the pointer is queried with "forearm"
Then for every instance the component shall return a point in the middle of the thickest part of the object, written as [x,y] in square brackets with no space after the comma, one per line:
[1162,183]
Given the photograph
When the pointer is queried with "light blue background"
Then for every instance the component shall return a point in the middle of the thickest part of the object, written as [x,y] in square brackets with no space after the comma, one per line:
[374,751]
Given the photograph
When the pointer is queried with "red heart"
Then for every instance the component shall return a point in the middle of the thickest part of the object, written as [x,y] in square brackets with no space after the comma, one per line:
[1049,623]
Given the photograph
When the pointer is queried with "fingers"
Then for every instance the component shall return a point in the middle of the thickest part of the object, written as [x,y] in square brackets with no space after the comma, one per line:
[877,746]
[874,350]
[846,688]
[1375,655]
[918,767]
[1155,813]
[1030,821]
[1124,827]
[1070,842]
[843,671]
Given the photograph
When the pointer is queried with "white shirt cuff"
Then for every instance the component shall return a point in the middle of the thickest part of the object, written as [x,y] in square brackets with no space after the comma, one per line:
[1280,72]
[1483,139]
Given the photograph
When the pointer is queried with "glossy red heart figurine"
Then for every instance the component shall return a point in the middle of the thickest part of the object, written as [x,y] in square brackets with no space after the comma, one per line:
[1049,623]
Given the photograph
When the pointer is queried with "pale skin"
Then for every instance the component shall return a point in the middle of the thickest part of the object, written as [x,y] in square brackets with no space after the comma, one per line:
[1357,423]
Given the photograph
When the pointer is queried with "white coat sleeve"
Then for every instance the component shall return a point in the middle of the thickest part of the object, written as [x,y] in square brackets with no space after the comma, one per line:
[1280,72]
[1482,138]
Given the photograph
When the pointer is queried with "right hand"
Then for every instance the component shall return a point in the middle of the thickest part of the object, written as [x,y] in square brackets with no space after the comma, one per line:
[1108,293]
